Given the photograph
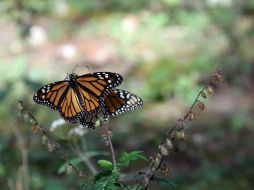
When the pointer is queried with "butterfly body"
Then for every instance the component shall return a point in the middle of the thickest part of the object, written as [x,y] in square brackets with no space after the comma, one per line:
[78,96]
[72,79]
[73,84]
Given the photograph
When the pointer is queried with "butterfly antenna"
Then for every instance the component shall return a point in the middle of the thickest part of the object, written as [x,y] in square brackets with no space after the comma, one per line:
[74,68]
[88,68]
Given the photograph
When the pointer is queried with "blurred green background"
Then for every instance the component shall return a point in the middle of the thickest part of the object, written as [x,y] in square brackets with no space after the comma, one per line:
[165,50]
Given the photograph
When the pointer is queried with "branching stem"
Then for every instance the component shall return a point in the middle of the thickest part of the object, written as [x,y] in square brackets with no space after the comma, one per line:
[52,144]
[176,133]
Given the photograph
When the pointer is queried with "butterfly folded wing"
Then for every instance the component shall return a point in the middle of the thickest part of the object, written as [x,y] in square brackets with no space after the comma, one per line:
[117,102]
[120,101]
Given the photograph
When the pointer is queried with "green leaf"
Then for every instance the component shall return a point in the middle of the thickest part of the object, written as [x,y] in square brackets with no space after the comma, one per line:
[126,158]
[107,183]
[105,164]
[107,180]
[87,186]
[105,173]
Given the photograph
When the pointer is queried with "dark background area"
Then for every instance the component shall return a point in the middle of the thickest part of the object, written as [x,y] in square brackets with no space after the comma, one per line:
[166,51]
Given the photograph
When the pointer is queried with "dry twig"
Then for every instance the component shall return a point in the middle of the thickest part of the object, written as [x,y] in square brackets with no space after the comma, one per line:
[52,145]
[109,142]
[176,133]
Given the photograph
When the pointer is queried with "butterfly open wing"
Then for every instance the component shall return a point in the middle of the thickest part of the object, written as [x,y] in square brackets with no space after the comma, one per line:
[51,95]
[60,96]
[117,102]
[70,108]
[83,97]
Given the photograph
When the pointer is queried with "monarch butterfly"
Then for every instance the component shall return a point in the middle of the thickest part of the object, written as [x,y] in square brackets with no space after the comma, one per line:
[116,102]
[78,95]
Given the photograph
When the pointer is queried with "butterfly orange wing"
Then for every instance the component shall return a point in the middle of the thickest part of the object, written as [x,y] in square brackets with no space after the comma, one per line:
[60,96]
[95,86]
[73,102]
[117,102]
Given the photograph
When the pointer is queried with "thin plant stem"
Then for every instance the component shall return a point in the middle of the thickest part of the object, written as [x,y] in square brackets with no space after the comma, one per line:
[109,135]
[24,156]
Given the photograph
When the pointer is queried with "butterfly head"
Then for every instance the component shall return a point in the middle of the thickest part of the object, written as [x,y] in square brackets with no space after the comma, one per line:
[71,77]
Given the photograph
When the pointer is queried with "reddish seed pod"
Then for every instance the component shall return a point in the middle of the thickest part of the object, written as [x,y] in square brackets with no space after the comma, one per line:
[220,75]
[35,128]
[214,78]
[201,105]
[165,169]
[217,77]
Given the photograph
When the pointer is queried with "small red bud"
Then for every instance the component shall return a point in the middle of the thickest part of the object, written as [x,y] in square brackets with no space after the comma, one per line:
[218,76]
[35,128]
[165,169]
[201,105]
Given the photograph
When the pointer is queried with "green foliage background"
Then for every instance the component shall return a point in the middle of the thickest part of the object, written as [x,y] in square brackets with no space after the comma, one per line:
[165,50]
